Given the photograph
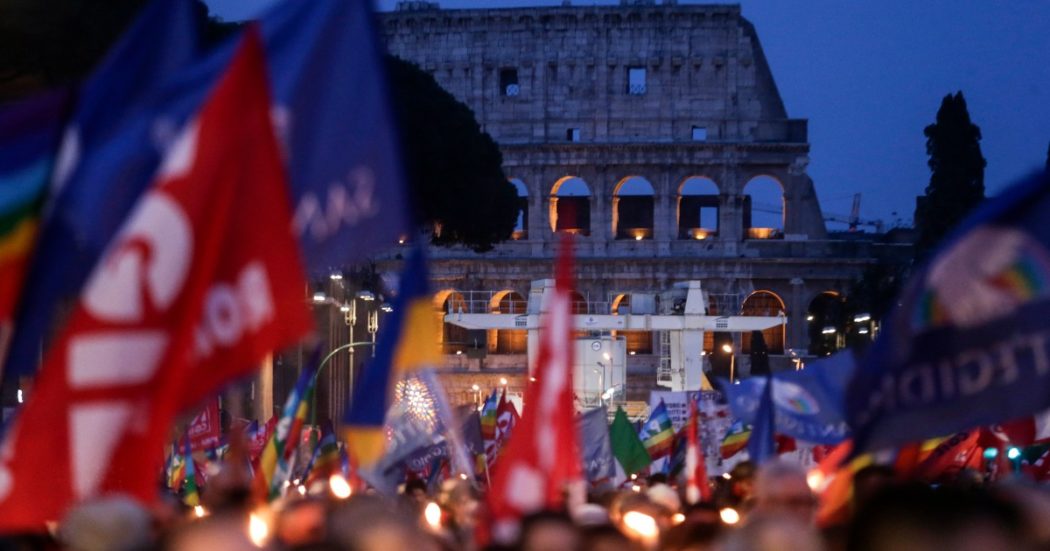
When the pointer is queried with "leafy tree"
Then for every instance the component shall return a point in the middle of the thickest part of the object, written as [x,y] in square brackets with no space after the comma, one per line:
[454,168]
[957,179]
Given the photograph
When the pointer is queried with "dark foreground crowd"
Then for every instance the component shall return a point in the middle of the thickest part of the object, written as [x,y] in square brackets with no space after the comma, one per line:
[769,510]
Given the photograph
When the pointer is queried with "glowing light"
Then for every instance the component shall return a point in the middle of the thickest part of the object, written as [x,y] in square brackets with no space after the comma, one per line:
[258,531]
[729,515]
[727,348]
[1013,453]
[475,387]
[632,353]
[636,488]
[199,512]
[302,490]
[459,352]
[606,356]
[532,379]
[319,297]
[344,308]
[386,307]
[20,398]
[727,476]
[640,524]
[863,331]
[639,237]
[815,480]
[336,276]
[401,241]
[809,317]
[991,453]
[634,477]
[463,476]
[432,514]
[678,518]
[861,318]
[414,397]
[366,296]
[828,331]
[339,486]
[503,381]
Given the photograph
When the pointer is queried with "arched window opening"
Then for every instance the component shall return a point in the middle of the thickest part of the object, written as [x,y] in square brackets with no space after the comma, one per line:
[632,210]
[637,342]
[826,323]
[763,208]
[764,303]
[697,208]
[454,339]
[508,341]
[570,206]
[521,228]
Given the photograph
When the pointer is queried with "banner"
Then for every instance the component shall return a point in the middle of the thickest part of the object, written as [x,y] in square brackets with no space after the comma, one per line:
[204,431]
[969,343]
[595,448]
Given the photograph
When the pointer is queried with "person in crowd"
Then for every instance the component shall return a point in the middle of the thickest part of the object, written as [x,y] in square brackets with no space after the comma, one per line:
[781,489]
[548,531]
[919,517]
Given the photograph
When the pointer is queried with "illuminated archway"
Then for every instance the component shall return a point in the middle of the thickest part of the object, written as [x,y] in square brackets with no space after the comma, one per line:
[698,208]
[453,337]
[508,341]
[764,211]
[632,209]
[521,227]
[570,206]
[764,303]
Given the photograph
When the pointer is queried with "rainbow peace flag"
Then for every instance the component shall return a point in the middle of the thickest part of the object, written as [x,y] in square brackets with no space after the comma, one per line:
[326,459]
[736,439]
[489,416]
[190,493]
[658,434]
[274,469]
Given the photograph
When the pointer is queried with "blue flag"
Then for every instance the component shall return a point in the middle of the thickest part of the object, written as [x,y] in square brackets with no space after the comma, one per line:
[808,405]
[592,428]
[969,343]
[762,444]
[330,111]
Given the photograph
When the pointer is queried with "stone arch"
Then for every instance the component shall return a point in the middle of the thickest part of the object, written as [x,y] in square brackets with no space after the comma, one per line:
[764,303]
[698,208]
[521,228]
[826,323]
[637,342]
[570,206]
[453,337]
[764,207]
[633,202]
[508,341]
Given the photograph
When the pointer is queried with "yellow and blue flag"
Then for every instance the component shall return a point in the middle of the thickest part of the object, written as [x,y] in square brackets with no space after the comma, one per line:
[408,343]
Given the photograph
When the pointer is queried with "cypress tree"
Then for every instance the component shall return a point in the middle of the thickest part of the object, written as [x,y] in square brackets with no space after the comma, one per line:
[957,173]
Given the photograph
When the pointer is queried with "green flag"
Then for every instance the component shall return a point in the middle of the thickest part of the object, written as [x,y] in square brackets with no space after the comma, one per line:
[626,446]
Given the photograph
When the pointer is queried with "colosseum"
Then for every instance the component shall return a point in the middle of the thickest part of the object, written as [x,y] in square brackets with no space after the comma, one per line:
[651,132]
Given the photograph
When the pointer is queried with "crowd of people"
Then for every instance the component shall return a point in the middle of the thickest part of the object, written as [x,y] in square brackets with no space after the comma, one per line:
[770,508]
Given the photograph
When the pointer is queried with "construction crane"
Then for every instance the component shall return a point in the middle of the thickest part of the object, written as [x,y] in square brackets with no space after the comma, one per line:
[853,221]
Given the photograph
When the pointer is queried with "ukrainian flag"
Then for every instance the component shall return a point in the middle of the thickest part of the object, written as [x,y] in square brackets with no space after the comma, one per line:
[408,342]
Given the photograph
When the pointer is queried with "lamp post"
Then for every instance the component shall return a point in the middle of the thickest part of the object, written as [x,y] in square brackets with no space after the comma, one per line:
[728,349]
[601,383]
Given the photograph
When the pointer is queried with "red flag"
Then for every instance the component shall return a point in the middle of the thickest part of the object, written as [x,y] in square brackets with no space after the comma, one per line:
[204,430]
[950,456]
[259,439]
[697,487]
[202,281]
[541,457]
[506,418]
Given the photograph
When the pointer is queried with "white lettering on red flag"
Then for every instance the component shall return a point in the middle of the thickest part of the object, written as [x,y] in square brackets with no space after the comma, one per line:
[187,298]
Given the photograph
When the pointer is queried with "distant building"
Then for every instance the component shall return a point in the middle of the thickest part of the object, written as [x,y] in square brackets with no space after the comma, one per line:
[645,130]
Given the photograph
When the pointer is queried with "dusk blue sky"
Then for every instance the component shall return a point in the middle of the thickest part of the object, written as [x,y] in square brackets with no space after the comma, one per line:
[870,76]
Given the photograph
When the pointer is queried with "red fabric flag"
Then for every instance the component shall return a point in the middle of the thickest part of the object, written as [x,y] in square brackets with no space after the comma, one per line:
[204,430]
[697,487]
[506,419]
[202,281]
[949,457]
[541,456]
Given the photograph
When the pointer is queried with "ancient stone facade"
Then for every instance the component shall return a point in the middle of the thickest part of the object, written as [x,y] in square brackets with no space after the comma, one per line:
[675,102]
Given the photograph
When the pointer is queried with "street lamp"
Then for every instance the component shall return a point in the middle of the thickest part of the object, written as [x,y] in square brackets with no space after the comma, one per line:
[728,349]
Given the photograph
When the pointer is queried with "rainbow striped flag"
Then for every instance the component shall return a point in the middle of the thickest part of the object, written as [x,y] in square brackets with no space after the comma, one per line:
[29,137]
[489,413]
[657,433]
[274,468]
[736,439]
[190,493]
[326,459]
[407,343]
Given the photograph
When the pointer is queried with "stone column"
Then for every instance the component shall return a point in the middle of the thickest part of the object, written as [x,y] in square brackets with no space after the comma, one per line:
[664,227]
[796,329]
